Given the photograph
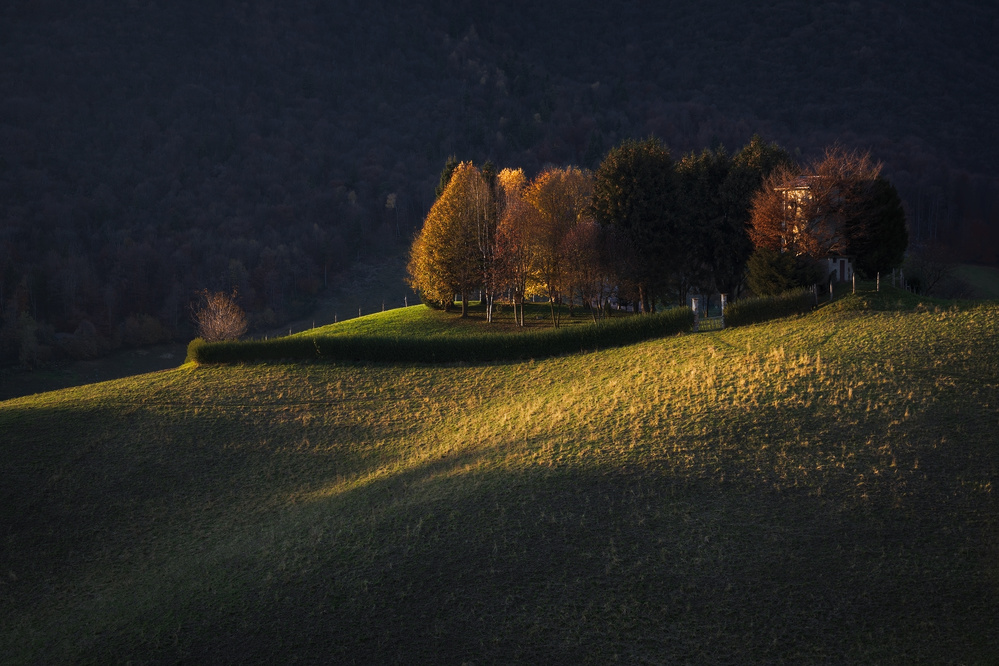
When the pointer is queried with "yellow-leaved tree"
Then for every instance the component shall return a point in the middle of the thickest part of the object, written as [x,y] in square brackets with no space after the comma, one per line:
[561,198]
[446,257]
[514,258]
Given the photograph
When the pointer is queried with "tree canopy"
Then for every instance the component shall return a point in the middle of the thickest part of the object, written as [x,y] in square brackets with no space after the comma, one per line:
[879,237]
[838,205]
[644,227]
[445,258]
[634,195]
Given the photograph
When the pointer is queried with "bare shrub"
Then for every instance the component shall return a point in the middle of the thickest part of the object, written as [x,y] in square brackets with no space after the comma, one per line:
[218,316]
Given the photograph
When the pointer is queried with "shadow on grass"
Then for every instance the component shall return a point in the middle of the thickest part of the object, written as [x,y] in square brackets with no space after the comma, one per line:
[451,557]
[582,568]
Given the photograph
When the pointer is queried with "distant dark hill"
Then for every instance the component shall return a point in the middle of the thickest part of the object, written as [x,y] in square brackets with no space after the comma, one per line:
[149,149]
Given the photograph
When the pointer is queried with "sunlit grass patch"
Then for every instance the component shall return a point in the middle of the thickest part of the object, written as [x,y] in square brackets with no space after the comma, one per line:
[814,488]
[482,345]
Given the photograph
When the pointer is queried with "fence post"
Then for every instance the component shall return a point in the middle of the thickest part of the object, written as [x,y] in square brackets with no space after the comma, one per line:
[854,276]
[830,292]
[724,301]
[878,284]
[694,303]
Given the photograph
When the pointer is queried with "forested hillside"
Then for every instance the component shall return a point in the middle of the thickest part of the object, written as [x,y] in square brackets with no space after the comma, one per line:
[152,149]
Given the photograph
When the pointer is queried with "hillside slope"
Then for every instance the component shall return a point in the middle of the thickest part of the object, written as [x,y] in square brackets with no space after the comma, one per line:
[818,488]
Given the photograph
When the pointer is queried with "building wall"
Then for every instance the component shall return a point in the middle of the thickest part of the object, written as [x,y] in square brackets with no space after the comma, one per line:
[839,269]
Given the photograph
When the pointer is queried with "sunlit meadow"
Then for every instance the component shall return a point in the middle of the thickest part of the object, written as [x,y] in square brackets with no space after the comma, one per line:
[814,488]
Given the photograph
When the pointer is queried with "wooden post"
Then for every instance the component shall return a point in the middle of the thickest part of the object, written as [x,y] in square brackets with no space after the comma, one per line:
[830,292]
[854,277]
[724,300]
[405,301]
[694,305]
[878,284]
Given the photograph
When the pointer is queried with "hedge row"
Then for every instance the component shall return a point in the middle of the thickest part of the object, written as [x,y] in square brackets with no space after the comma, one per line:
[765,308]
[486,347]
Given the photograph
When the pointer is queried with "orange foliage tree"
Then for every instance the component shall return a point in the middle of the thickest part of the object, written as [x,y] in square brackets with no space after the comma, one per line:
[446,257]
[515,258]
[816,212]
[561,198]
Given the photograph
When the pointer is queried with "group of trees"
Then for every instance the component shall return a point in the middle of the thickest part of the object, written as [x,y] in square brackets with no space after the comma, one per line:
[645,228]
[499,233]
[839,204]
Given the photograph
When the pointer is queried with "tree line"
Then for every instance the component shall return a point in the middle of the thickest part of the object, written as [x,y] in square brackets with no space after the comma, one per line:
[267,146]
[646,230]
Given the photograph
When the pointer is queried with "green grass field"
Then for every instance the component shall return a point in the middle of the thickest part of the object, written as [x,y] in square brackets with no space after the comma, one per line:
[421,321]
[819,488]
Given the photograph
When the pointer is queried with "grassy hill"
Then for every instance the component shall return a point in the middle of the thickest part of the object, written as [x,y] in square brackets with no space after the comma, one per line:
[816,488]
[980,281]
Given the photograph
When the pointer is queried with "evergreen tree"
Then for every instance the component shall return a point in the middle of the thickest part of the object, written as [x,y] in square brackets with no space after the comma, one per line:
[449,167]
[635,196]
[706,240]
[878,234]
[749,167]
[770,272]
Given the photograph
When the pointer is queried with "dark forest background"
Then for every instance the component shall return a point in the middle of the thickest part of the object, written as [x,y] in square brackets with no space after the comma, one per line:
[151,149]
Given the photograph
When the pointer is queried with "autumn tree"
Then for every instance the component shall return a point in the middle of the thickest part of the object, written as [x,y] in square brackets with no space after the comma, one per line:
[634,196]
[425,275]
[562,199]
[446,256]
[218,316]
[839,204]
[514,265]
[587,269]
[818,211]
[485,233]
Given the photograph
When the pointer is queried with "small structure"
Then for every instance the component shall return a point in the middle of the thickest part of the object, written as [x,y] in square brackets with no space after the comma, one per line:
[837,268]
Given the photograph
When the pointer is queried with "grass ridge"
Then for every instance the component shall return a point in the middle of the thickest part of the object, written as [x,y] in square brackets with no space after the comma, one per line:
[470,348]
